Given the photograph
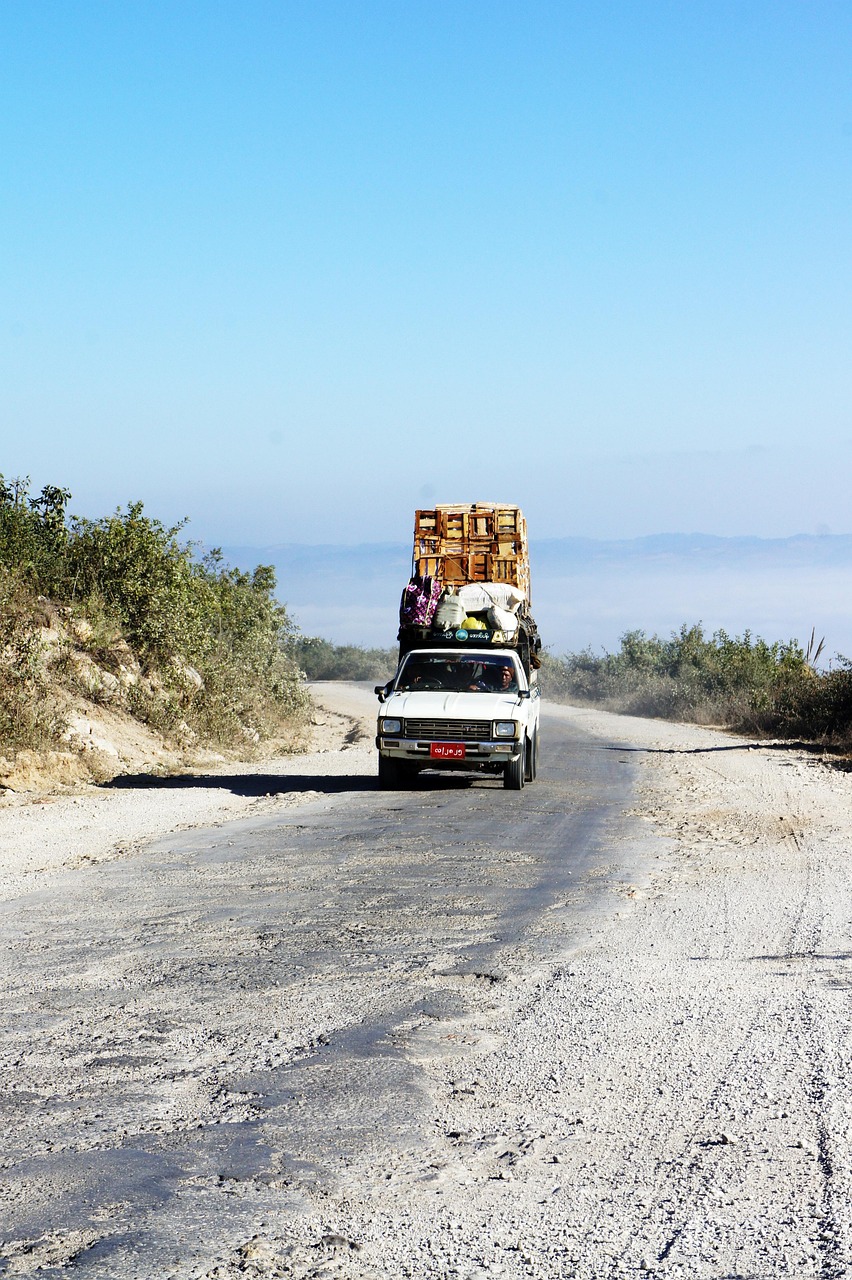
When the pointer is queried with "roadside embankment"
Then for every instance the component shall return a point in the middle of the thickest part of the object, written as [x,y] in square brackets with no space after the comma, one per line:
[44,829]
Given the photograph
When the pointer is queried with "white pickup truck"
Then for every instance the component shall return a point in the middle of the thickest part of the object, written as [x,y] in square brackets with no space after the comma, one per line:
[471,709]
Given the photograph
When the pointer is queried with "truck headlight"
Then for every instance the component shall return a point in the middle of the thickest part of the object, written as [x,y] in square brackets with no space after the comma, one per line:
[388,726]
[505,729]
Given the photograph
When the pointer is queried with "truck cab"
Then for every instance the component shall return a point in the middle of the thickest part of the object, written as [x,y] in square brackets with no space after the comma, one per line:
[471,709]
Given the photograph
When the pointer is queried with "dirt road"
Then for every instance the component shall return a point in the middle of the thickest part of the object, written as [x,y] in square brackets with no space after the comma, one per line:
[278,1023]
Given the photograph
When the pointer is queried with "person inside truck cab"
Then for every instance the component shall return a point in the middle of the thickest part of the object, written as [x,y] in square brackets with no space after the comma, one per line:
[472,678]
[493,677]
[429,675]
[502,677]
[414,676]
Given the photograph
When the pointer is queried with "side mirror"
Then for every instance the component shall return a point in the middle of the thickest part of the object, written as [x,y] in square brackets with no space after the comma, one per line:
[379,691]
[523,693]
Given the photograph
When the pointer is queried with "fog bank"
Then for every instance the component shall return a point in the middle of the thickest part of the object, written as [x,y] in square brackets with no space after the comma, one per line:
[588,592]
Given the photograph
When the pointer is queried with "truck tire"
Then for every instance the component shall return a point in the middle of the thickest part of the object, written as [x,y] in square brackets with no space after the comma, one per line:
[531,758]
[515,771]
[390,776]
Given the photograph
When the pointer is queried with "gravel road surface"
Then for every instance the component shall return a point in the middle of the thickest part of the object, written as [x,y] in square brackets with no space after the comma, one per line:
[275,1022]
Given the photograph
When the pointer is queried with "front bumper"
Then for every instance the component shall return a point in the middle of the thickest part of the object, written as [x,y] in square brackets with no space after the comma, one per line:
[419,749]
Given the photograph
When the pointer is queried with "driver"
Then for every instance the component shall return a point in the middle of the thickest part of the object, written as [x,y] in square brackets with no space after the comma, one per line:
[429,675]
[472,678]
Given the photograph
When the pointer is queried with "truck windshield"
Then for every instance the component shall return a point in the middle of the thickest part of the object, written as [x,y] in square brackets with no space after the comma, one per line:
[458,675]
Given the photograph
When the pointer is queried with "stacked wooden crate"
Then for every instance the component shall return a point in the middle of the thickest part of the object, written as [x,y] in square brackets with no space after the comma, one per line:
[482,542]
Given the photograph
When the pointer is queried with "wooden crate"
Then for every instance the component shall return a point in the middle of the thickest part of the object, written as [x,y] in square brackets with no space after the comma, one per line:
[425,524]
[453,569]
[481,542]
[514,569]
[487,520]
[509,522]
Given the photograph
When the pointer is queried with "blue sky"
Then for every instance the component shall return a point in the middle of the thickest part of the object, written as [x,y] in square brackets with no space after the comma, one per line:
[292,270]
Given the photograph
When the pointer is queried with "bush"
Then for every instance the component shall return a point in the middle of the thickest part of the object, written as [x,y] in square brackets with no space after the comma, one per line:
[211,641]
[139,569]
[250,682]
[820,708]
[322,660]
[741,682]
[33,533]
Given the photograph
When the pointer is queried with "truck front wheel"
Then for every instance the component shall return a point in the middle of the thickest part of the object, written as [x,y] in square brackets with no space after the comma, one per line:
[513,774]
[532,758]
[390,774]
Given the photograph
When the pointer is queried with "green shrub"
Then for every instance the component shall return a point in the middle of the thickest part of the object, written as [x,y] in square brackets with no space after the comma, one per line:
[211,641]
[738,681]
[322,660]
[215,635]
[33,533]
[819,708]
[137,567]
[251,683]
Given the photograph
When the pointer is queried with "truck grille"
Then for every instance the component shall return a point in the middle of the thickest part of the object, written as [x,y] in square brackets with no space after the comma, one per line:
[449,730]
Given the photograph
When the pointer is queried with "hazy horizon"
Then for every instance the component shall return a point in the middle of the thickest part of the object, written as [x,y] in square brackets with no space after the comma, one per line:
[588,592]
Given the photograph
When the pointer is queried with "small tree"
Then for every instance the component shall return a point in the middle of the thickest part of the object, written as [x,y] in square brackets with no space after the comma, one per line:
[33,533]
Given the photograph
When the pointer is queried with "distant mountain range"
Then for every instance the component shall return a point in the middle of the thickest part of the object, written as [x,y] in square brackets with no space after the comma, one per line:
[696,548]
[588,592]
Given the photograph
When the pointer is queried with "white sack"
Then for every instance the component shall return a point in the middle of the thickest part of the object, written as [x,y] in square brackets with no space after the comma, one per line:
[477,596]
[451,613]
[502,620]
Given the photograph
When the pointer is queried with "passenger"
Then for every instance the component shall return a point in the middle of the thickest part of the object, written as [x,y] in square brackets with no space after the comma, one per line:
[492,677]
[502,676]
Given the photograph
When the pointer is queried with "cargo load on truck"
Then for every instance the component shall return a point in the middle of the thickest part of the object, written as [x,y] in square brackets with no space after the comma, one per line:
[470,582]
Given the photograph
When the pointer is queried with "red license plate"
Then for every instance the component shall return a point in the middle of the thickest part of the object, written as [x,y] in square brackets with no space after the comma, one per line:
[447,750]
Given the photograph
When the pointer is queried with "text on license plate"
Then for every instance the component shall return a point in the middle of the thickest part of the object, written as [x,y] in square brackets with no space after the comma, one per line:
[447,750]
